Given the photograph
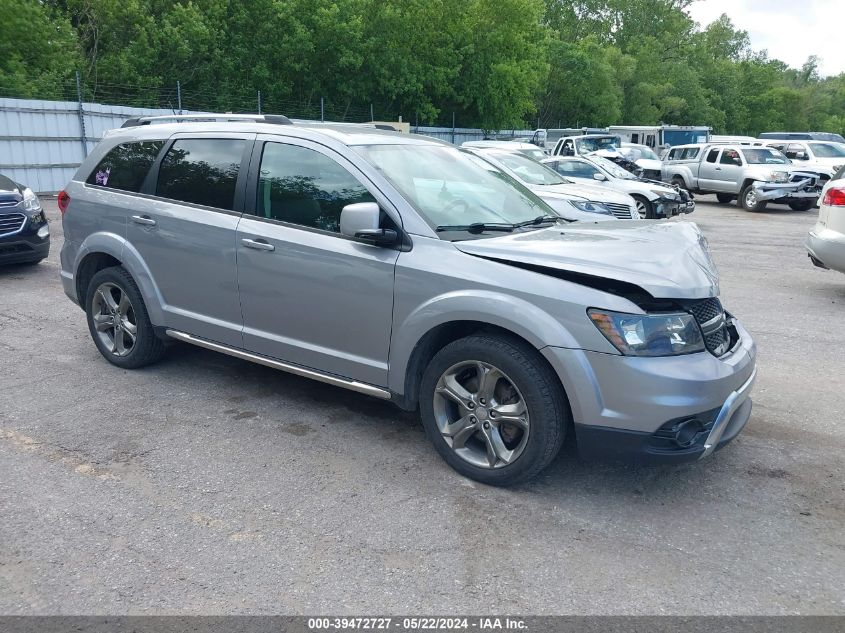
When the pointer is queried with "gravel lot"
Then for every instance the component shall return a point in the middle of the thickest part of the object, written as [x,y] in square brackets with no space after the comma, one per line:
[205,484]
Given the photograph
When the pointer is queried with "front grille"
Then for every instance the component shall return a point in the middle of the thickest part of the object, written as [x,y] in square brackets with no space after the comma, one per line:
[11,222]
[652,173]
[710,316]
[8,202]
[621,211]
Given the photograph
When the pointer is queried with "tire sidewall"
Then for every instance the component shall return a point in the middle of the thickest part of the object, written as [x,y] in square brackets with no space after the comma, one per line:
[758,207]
[649,207]
[543,411]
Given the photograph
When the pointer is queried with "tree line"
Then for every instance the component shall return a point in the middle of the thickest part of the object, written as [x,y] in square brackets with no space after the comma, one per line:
[495,64]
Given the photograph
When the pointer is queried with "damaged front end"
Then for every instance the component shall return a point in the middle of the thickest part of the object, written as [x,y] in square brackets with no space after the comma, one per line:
[790,186]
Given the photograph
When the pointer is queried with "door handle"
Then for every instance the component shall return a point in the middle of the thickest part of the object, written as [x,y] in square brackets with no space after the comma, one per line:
[143,219]
[718,169]
[259,245]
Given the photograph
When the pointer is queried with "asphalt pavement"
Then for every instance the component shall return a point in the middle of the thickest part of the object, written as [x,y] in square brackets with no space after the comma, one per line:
[205,484]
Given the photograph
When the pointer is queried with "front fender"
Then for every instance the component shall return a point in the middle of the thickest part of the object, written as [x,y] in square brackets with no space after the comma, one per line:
[504,311]
[119,248]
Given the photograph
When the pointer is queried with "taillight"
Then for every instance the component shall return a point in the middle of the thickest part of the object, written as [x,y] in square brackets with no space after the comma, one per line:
[834,197]
[63,200]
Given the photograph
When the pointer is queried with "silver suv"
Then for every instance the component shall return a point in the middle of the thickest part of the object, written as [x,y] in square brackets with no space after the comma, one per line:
[408,269]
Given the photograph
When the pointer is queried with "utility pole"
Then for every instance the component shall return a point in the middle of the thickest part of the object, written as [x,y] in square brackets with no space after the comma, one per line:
[81,116]
[259,102]
[372,116]
[322,110]
[179,95]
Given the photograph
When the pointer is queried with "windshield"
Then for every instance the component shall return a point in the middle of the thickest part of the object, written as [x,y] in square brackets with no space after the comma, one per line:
[828,150]
[764,156]
[636,152]
[536,154]
[587,145]
[612,168]
[528,170]
[451,187]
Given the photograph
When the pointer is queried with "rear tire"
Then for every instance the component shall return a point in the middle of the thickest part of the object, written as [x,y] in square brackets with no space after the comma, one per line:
[494,410]
[801,205]
[118,320]
[677,180]
[725,198]
[645,208]
[749,201]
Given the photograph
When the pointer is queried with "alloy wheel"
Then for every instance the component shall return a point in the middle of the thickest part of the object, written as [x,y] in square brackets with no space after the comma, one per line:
[114,319]
[481,414]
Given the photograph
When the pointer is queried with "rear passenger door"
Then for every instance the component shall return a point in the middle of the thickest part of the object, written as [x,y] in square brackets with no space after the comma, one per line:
[184,231]
[708,172]
[310,295]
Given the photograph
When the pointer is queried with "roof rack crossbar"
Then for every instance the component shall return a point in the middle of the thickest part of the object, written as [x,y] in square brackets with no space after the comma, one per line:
[276,119]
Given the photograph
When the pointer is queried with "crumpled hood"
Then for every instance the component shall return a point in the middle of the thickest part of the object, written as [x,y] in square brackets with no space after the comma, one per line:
[669,260]
[594,193]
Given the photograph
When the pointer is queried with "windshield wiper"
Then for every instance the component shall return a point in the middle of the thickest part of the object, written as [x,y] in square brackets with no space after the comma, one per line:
[477,227]
[540,219]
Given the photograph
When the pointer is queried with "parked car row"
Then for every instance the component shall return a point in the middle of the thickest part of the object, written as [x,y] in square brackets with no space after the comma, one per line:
[24,232]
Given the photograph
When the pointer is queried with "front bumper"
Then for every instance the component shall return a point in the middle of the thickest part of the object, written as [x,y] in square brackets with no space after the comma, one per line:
[668,208]
[799,190]
[826,247]
[24,246]
[664,409]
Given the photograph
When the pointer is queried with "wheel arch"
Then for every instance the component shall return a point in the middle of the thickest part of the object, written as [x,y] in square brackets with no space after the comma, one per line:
[439,337]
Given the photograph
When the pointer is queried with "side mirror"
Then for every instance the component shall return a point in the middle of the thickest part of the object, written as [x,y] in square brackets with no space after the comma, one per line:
[361,221]
[599,176]
[801,155]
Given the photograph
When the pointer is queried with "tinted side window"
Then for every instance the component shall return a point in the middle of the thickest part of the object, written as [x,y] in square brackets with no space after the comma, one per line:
[202,171]
[690,152]
[711,157]
[126,166]
[730,157]
[302,186]
[675,154]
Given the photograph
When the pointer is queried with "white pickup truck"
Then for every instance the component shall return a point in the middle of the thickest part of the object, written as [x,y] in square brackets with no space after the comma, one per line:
[753,175]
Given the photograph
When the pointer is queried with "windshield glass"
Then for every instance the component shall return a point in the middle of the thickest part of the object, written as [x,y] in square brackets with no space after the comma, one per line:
[528,170]
[587,145]
[828,150]
[636,152]
[612,168]
[451,187]
[764,156]
[536,154]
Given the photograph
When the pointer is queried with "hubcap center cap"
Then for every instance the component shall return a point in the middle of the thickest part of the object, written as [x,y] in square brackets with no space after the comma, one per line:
[481,412]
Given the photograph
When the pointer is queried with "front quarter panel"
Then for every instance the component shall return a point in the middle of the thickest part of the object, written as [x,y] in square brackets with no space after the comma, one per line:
[437,284]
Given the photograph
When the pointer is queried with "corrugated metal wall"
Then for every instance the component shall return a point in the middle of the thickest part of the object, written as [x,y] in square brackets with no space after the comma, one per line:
[41,142]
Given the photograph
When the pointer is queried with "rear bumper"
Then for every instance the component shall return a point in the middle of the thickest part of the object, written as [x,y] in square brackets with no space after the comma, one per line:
[827,247]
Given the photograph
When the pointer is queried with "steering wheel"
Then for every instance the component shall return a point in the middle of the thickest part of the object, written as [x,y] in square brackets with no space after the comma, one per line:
[457,202]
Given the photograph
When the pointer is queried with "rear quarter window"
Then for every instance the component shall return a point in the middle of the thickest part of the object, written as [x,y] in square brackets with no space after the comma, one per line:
[125,166]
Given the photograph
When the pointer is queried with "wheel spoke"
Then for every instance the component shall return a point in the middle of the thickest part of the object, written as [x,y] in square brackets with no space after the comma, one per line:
[119,343]
[107,298]
[496,449]
[488,377]
[130,327]
[452,389]
[123,304]
[460,431]
[512,413]
[103,322]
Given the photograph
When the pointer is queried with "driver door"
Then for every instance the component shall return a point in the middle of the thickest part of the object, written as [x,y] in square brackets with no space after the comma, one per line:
[310,295]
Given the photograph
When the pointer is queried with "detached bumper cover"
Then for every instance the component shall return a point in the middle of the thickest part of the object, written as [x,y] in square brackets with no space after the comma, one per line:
[807,187]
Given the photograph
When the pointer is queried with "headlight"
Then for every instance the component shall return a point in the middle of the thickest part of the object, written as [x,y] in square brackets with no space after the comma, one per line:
[649,334]
[590,207]
[779,176]
[30,201]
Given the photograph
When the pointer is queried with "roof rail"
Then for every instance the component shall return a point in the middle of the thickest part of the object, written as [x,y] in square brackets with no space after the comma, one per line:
[276,119]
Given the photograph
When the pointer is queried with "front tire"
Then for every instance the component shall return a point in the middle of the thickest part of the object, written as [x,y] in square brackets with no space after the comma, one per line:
[725,198]
[749,200]
[645,208]
[801,205]
[494,410]
[118,320]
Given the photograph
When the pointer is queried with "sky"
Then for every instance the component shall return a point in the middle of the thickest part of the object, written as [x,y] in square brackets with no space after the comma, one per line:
[791,30]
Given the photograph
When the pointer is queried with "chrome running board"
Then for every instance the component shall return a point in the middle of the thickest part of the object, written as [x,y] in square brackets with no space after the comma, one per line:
[352,385]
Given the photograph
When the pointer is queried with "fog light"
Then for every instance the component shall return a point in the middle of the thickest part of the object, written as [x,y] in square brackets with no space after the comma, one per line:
[44,231]
[686,433]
